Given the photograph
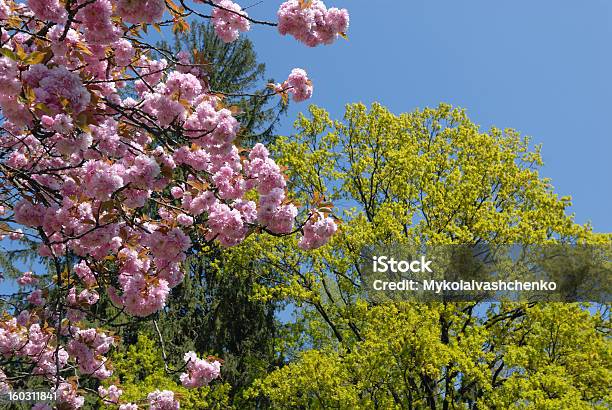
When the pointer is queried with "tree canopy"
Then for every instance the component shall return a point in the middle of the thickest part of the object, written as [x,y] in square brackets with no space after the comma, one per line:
[434,176]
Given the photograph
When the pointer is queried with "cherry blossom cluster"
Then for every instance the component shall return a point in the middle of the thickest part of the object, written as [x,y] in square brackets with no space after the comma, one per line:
[161,400]
[229,20]
[317,231]
[68,396]
[200,372]
[87,347]
[4,386]
[25,338]
[311,22]
[297,84]
[118,161]
[27,278]
[5,11]
[110,394]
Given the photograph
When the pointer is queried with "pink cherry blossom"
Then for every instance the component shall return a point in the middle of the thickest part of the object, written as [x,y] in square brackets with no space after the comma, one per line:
[88,347]
[299,85]
[184,220]
[283,219]
[98,26]
[102,179]
[124,52]
[68,397]
[183,86]
[141,11]
[226,225]
[36,298]
[52,85]
[51,10]
[230,184]
[5,11]
[4,386]
[110,394]
[162,400]
[200,372]
[317,231]
[16,234]
[229,20]
[27,279]
[312,25]
[9,77]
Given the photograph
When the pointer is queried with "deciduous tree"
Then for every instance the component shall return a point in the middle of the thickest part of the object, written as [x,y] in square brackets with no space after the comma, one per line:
[432,177]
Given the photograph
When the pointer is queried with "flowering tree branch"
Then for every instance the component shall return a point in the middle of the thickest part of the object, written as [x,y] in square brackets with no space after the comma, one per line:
[117,165]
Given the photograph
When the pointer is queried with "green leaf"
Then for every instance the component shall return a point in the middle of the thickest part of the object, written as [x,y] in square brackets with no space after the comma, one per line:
[8,53]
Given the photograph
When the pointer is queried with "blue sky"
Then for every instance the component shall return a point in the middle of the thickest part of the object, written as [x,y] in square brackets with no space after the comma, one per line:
[540,66]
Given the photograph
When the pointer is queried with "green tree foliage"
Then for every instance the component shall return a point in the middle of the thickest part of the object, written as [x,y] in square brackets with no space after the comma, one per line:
[430,177]
[213,312]
[17,255]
